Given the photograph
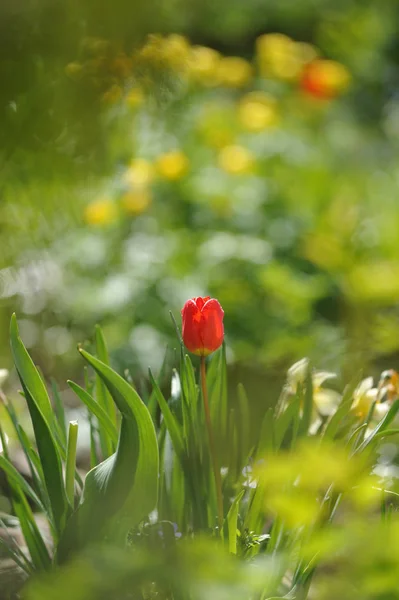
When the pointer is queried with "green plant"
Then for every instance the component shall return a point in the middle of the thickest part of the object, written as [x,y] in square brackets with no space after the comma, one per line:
[145,519]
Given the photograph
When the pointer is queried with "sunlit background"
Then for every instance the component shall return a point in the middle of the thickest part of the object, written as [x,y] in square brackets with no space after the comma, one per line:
[155,151]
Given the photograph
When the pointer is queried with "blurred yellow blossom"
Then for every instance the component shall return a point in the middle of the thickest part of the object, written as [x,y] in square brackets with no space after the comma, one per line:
[173,165]
[204,64]
[177,49]
[364,396]
[236,160]
[160,52]
[136,201]
[280,56]
[257,111]
[100,212]
[135,97]
[234,71]
[140,173]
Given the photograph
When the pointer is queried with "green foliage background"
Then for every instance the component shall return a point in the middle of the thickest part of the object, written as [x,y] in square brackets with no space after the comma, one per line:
[309,258]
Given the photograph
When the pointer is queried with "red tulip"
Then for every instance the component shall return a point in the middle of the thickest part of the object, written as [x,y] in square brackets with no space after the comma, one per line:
[202,325]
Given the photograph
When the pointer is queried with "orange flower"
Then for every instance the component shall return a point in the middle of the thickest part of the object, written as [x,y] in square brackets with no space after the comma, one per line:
[203,330]
[324,79]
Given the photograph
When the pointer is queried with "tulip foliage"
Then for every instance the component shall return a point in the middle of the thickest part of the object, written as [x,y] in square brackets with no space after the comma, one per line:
[143,523]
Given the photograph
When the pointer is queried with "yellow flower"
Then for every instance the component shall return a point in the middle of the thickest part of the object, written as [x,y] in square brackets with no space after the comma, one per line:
[140,173]
[234,71]
[236,160]
[257,111]
[364,396]
[177,49]
[100,212]
[160,52]
[204,64]
[136,201]
[135,97]
[280,56]
[173,165]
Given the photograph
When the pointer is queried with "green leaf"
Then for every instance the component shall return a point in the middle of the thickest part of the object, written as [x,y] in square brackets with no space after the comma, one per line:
[102,395]
[42,417]
[307,395]
[16,479]
[29,375]
[96,410]
[126,483]
[381,427]
[171,423]
[33,538]
[152,403]
[59,411]
[244,444]
[15,554]
[266,438]
[232,517]
[287,418]
[343,409]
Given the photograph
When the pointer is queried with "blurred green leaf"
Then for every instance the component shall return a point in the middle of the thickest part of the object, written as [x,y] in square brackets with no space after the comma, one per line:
[42,418]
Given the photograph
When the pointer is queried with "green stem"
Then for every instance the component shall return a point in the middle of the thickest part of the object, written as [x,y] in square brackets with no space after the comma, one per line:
[71,461]
[215,462]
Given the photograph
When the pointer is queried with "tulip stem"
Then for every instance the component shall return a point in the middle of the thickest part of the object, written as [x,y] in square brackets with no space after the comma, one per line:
[215,462]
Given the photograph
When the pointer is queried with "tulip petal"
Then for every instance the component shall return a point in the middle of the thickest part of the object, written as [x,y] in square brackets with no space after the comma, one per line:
[212,331]
[201,301]
[191,318]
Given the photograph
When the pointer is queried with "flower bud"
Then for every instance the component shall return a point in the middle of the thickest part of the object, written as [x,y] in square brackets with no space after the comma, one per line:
[202,325]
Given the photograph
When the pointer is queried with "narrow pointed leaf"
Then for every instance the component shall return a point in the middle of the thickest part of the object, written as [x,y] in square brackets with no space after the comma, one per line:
[96,410]
[126,483]
[232,517]
[39,408]
[169,418]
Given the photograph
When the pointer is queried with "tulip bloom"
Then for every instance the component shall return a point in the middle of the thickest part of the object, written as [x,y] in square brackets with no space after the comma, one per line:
[325,79]
[202,325]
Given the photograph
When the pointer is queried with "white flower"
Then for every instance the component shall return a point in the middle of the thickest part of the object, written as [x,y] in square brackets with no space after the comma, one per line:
[3,376]
[325,399]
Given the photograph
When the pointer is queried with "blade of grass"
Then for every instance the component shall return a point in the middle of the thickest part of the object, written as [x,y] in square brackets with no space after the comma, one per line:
[232,517]
[381,427]
[37,548]
[59,411]
[96,410]
[71,462]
